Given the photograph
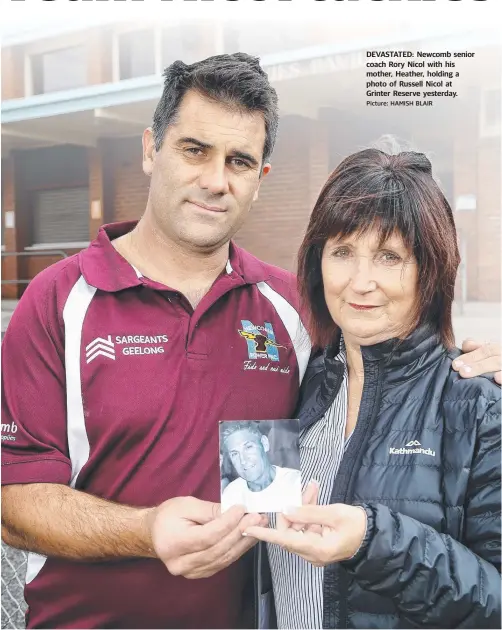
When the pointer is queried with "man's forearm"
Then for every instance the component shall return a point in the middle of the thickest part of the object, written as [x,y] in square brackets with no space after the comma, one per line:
[56,520]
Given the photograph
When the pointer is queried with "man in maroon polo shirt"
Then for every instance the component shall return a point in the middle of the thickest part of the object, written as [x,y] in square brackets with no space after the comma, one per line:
[119,363]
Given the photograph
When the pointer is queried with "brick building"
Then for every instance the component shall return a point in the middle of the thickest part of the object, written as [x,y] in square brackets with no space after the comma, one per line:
[74,105]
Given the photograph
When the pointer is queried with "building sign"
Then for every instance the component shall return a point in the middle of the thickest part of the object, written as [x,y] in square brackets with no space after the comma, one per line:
[319,65]
[465,203]
[10,221]
[96,209]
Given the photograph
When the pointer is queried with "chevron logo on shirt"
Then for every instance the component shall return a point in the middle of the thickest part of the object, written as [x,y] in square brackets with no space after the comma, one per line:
[100,347]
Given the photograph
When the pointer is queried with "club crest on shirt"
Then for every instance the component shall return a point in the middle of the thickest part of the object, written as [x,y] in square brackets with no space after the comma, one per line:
[261,341]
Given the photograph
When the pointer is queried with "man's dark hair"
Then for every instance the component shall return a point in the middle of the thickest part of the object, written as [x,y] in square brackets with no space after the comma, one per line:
[235,80]
[390,193]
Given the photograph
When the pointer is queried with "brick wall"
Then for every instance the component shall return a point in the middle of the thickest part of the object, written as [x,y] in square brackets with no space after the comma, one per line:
[275,227]
[99,52]
[10,263]
[23,174]
[129,182]
[465,168]
[488,221]
[12,72]
[95,189]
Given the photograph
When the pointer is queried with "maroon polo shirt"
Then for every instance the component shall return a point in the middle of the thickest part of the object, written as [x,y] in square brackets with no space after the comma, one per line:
[114,384]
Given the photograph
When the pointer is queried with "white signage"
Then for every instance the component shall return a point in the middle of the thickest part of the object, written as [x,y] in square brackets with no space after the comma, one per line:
[465,203]
[10,219]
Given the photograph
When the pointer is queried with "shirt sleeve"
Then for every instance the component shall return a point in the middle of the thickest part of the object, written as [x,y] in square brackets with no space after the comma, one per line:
[34,435]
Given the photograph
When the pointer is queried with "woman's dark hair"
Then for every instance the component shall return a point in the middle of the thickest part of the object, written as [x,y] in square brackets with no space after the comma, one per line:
[235,80]
[390,193]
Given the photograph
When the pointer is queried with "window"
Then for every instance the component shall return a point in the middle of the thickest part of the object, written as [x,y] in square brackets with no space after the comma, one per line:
[61,216]
[231,40]
[490,112]
[188,44]
[265,39]
[492,107]
[172,46]
[445,181]
[136,54]
[62,69]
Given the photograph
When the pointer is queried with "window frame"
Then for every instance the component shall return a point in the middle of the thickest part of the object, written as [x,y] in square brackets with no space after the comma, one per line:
[489,130]
[44,47]
[135,28]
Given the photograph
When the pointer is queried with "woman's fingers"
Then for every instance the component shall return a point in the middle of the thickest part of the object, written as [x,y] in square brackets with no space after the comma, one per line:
[295,542]
[311,515]
[308,545]
[281,523]
[314,529]
[310,497]
[266,534]
[311,494]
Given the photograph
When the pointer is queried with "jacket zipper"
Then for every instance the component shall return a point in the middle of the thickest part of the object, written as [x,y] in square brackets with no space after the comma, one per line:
[257,585]
[346,475]
[259,549]
[340,369]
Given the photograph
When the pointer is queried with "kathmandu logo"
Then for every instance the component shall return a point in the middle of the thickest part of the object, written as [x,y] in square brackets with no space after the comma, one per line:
[260,340]
[100,347]
[413,447]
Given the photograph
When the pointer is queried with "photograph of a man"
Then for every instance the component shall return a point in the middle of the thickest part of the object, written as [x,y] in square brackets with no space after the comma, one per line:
[257,452]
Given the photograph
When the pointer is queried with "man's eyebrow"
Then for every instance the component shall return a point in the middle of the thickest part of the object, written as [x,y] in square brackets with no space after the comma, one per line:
[199,143]
[245,156]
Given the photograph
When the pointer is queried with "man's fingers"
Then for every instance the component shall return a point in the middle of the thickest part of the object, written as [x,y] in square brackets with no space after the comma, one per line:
[198,511]
[478,359]
[469,367]
[236,550]
[225,544]
[225,550]
[249,520]
[498,377]
[470,344]
[208,535]
[207,570]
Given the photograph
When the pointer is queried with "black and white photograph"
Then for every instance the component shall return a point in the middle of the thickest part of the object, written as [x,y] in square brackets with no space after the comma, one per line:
[260,465]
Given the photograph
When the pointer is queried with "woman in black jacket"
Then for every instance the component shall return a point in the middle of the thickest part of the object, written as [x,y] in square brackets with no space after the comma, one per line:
[406,454]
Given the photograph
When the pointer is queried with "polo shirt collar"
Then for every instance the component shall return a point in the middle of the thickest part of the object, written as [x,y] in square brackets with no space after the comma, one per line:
[104,268]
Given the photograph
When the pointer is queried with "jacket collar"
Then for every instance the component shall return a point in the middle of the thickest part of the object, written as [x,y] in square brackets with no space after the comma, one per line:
[416,352]
[395,352]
